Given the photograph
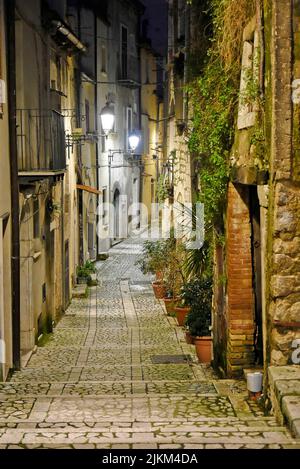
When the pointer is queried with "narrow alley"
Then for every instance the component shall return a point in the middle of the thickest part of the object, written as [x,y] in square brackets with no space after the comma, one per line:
[117,373]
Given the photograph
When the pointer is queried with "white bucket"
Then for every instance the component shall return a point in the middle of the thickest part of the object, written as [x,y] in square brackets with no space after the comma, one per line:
[254,381]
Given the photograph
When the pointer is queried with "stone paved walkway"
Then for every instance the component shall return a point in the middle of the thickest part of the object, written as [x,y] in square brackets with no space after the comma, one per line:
[95,383]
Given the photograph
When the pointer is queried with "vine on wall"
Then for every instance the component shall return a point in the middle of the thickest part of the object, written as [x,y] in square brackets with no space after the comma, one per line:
[213,96]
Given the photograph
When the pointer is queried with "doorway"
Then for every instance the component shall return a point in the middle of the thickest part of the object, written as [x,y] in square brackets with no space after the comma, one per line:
[257,270]
[67,274]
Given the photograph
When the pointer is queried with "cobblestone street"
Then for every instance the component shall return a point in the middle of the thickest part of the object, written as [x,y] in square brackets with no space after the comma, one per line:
[96,382]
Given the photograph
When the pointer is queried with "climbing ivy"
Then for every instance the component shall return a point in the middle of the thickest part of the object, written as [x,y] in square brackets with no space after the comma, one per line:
[213,97]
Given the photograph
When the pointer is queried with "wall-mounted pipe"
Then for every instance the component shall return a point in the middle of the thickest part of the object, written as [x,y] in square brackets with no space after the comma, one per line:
[61,28]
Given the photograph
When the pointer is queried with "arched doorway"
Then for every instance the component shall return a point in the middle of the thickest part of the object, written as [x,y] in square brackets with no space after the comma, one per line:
[116,214]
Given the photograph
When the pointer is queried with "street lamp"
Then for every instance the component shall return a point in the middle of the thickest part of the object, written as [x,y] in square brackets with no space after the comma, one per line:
[134,140]
[107,119]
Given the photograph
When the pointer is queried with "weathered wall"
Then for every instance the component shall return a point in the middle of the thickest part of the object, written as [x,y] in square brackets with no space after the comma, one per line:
[5,210]
[284,209]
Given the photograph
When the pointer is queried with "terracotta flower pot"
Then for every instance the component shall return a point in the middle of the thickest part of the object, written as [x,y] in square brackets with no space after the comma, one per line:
[159,275]
[189,338]
[170,304]
[181,313]
[203,348]
[159,289]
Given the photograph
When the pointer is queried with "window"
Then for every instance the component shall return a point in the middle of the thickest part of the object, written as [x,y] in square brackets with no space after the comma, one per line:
[36,218]
[103,60]
[124,51]
[128,126]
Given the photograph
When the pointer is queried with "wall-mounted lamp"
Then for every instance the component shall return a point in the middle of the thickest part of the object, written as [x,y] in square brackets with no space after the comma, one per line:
[134,140]
[107,116]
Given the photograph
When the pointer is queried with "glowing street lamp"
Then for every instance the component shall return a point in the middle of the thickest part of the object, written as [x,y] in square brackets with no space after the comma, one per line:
[134,140]
[107,119]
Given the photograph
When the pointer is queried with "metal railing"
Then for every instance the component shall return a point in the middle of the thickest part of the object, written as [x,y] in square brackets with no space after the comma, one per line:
[41,140]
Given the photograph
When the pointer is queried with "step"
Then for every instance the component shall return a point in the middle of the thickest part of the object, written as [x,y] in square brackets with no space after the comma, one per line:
[127,436]
[201,424]
[285,394]
[107,388]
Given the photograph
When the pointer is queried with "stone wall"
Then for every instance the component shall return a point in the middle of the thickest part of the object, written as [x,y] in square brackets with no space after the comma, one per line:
[284,211]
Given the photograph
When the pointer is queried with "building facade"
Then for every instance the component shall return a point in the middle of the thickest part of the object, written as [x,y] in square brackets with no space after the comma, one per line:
[6,286]
[119,86]
[257,312]
[45,103]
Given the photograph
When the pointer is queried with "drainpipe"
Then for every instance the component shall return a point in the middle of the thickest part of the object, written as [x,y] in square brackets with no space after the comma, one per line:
[15,239]
[96,126]
[140,116]
[69,35]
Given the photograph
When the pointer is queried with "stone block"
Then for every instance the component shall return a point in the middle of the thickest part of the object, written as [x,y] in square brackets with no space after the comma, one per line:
[289,248]
[296,428]
[283,340]
[284,285]
[288,387]
[291,410]
[278,358]
[283,373]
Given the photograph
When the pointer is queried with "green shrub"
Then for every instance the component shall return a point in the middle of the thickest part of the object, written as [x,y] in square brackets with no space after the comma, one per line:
[199,296]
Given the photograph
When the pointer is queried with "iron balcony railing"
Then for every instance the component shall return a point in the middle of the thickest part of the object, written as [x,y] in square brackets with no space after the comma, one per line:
[41,140]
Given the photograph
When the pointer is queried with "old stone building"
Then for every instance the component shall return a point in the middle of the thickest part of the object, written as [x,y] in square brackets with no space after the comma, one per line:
[45,106]
[152,112]
[6,284]
[257,311]
[119,87]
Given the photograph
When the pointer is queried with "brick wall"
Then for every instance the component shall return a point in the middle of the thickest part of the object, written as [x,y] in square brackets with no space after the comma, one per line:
[240,299]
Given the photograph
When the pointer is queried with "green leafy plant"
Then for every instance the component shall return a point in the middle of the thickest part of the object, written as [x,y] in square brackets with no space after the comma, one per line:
[163,189]
[174,275]
[86,270]
[213,97]
[198,320]
[152,259]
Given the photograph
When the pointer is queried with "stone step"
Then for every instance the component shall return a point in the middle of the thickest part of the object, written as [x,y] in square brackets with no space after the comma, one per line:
[252,423]
[146,427]
[122,436]
[146,446]
[285,393]
[108,388]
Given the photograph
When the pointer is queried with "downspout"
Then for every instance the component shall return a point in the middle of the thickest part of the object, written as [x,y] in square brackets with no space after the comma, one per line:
[15,238]
[140,115]
[96,126]
[79,155]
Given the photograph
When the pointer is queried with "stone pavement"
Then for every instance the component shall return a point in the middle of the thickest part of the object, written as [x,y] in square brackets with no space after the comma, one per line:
[101,380]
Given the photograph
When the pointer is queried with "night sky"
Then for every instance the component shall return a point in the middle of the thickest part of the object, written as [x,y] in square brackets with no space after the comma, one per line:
[157,15]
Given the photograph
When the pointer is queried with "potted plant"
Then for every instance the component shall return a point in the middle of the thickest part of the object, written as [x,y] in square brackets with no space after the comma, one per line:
[199,319]
[184,306]
[153,261]
[173,275]
[84,273]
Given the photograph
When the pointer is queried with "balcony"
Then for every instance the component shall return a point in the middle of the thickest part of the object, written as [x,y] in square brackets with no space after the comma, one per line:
[41,142]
